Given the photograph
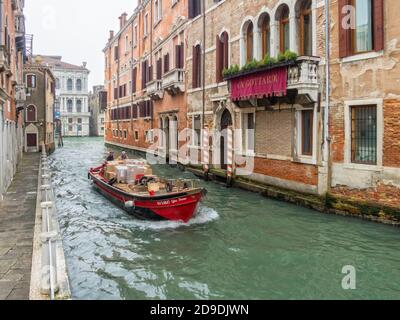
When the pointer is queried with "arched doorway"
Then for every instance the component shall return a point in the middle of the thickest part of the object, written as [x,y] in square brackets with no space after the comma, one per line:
[226,121]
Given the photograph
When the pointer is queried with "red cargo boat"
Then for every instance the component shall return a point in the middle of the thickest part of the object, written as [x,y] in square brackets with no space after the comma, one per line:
[178,201]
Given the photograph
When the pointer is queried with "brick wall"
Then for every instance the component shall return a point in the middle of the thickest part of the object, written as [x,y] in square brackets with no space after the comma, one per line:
[391,140]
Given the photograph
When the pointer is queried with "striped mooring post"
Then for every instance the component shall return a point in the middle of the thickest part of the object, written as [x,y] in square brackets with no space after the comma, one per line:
[229,177]
[206,154]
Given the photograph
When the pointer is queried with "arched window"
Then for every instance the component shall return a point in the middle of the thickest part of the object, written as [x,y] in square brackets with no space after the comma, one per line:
[305,26]
[249,42]
[79,106]
[284,30]
[31,114]
[79,85]
[69,84]
[265,35]
[69,105]
[222,55]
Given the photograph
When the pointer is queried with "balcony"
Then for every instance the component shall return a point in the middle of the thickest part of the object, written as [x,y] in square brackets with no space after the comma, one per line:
[292,81]
[155,89]
[20,93]
[174,81]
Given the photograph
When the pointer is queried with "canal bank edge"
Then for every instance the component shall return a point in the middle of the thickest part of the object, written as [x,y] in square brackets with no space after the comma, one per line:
[330,203]
[64,291]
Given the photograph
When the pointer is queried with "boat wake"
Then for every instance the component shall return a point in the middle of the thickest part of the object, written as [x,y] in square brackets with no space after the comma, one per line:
[204,216]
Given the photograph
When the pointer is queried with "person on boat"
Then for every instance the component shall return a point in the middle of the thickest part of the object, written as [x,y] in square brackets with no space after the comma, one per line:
[123,156]
[110,156]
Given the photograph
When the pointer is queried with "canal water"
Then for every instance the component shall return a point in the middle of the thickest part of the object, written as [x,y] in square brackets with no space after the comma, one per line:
[240,246]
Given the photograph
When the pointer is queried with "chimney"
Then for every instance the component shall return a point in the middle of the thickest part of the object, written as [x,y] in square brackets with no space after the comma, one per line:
[111,35]
[84,64]
[122,20]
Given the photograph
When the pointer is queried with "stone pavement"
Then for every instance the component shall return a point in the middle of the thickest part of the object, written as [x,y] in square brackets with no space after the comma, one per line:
[17,220]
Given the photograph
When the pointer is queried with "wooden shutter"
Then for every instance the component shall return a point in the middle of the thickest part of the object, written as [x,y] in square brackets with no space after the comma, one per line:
[225,63]
[134,76]
[219,60]
[194,68]
[182,56]
[159,69]
[378,25]
[177,56]
[191,9]
[150,73]
[344,34]
[166,63]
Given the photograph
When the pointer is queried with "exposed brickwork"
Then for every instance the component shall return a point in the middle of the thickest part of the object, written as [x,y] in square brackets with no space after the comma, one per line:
[391,141]
[307,174]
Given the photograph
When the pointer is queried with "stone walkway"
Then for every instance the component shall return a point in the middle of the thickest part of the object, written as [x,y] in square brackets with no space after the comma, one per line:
[17,220]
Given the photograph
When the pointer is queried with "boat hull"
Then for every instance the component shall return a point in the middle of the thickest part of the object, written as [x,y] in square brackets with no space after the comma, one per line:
[176,207]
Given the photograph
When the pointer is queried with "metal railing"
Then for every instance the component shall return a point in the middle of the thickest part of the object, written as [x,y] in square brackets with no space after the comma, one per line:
[50,233]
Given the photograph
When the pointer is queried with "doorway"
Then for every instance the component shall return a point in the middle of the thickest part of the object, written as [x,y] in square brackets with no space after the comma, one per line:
[226,121]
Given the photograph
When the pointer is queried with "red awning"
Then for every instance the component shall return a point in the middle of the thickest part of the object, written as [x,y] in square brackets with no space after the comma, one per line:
[259,85]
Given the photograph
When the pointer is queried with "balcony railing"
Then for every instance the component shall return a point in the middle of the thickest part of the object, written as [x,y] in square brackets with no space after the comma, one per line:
[174,81]
[304,74]
[155,89]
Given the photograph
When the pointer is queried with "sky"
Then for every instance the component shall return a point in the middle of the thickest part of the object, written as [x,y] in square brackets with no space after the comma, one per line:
[77,30]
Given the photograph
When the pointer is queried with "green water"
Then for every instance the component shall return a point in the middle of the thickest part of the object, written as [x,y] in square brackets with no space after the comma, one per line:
[241,246]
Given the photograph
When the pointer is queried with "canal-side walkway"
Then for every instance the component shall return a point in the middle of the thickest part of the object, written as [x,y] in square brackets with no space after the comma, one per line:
[17,220]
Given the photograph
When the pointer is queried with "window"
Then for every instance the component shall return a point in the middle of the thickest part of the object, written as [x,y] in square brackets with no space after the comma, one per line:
[194,8]
[126,43]
[197,130]
[166,63]
[222,55]
[365,31]
[305,28]
[146,23]
[157,11]
[248,126]
[31,114]
[136,135]
[70,120]
[307,124]
[116,53]
[364,135]
[362,34]
[79,120]
[70,128]
[284,35]
[125,134]
[69,105]
[31,81]
[79,85]
[79,106]
[179,56]
[79,127]
[196,74]
[134,81]
[69,85]
[135,37]
[58,83]
[249,42]
[265,36]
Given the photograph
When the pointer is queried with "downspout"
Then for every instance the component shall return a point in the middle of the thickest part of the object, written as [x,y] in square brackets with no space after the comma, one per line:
[327,138]
[204,65]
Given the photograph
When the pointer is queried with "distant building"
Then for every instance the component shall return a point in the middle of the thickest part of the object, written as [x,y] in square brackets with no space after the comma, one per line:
[12,90]
[39,111]
[72,95]
[97,107]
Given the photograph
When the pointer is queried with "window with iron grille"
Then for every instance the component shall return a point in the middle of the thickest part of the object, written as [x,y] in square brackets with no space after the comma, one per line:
[307,121]
[364,135]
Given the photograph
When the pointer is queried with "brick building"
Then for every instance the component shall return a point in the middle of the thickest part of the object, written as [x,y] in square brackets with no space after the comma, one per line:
[12,90]
[365,101]
[145,76]
[260,67]
[39,111]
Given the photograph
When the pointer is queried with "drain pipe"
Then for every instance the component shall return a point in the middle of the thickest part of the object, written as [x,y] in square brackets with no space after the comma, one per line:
[327,138]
